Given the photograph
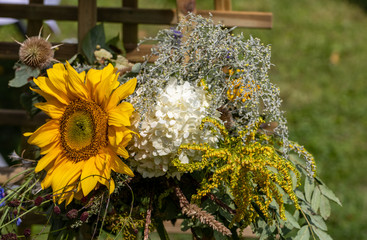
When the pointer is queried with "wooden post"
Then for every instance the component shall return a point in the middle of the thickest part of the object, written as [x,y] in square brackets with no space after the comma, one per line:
[87,18]
[184,7]
[223,5]
[130,30]
[34,26]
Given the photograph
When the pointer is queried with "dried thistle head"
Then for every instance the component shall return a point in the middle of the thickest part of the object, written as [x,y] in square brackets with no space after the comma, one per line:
[36,52]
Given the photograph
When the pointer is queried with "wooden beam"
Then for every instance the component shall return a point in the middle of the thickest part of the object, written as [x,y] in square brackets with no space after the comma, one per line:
[223,5]
[15,117]
[184,7]
[137,55]
[34,25]
[241,19]
[87,18]
[130,15]
[9,50]
[130,30]
[38,12]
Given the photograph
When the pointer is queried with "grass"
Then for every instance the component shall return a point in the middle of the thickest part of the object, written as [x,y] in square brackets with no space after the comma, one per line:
[319,50]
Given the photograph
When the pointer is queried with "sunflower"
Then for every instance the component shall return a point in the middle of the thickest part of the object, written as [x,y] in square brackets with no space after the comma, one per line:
[87,131]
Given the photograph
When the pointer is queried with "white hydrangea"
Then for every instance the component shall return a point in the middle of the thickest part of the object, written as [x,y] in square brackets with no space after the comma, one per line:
[174,120]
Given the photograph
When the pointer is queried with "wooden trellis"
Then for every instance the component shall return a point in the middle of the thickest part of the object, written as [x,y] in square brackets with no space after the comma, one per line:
[87,14]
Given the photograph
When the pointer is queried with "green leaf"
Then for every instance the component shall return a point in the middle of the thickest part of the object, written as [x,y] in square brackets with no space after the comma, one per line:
[324,207]
[294,180]
[219,236]
[22,76]
[161,230]
[318,222]
[309,187]
[292,220]
[315,201]
[94,37]
[186,224]
[303,233]
[300,195]
[329,194]
[296,215]
[114,41]
[322,235]
[306,208]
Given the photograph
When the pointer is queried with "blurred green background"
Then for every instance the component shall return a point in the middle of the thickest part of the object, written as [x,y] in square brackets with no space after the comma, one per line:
[319,51]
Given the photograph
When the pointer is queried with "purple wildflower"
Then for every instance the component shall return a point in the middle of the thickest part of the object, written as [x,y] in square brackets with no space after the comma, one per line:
[19,221]
[2,195]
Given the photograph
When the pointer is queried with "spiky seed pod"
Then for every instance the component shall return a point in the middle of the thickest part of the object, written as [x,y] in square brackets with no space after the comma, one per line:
[27,232]
[38,201]
[84,216]
[57,210]
[72,214]
[36,52]
[9,236]
[14,203]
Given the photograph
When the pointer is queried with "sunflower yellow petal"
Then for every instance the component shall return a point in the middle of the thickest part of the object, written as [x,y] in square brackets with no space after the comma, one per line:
[46,182]
[79,194]
[109,75]
[57,75]
[122,152]
[75,84]
[48,88]
[89,177]
[47,133]
[47,159]
[120,115]
[106,86]
[65,177]
[119,136]
[92,81]
[109,183]
[121,93]
[119,166]
[54,110]
[46,149]
[111,186]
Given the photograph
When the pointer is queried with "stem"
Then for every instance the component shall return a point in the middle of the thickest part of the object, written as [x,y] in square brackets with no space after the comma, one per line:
[148,219]
[308,223]
[104,215]
[221,203]
[99,212]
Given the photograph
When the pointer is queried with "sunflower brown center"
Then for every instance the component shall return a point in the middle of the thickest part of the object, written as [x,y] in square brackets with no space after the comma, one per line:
[83,130]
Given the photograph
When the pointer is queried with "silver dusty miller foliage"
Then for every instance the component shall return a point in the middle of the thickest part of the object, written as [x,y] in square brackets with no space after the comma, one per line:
[199,51]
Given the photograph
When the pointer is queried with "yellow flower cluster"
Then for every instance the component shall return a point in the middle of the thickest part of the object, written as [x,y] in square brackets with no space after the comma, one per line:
[125,224]
[238,89]
[252,170]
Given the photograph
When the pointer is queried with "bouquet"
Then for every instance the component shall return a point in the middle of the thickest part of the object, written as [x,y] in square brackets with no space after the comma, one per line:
[194,133]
